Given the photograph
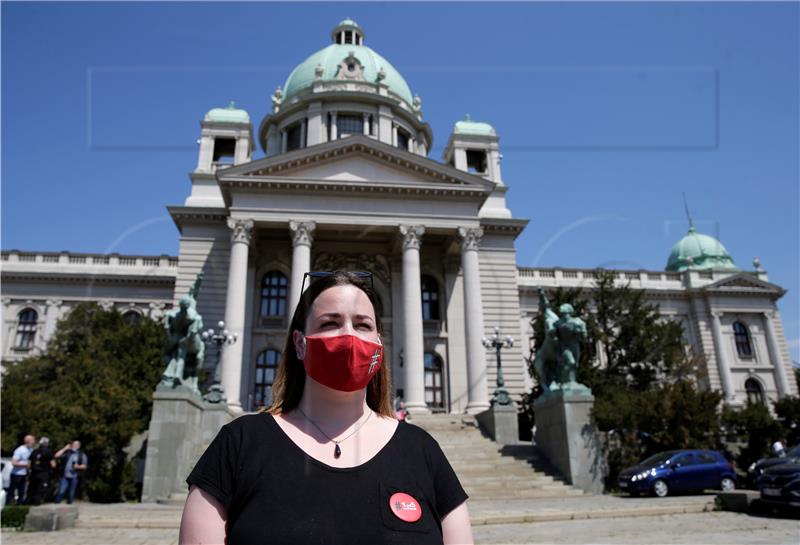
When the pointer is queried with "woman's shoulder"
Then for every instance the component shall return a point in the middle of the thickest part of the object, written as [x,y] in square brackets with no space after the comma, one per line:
[247,423]
[416,435]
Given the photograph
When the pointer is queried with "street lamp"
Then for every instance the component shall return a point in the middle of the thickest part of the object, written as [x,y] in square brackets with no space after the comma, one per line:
[501,396]
[216,394]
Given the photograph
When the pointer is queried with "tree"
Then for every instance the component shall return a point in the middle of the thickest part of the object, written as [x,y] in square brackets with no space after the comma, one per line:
[646,389]
[94,383]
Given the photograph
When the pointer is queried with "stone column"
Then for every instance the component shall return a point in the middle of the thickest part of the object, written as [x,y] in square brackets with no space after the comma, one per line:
[241,234]
[413,348]
[366,125]
[284,141]
[334,130]
[394,135]
[722,360]
[478,394]
[302,237]
[53,305]
[303,133]
[775,356]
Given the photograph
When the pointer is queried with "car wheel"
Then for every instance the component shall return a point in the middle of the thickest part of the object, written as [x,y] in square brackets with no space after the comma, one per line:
[727,484]
[660,488]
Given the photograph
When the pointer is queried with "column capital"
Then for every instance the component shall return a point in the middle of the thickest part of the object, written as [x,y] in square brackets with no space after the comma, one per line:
[302,232]
[470,237]
[241,230]
[411,235]
[54,302]
[769,314]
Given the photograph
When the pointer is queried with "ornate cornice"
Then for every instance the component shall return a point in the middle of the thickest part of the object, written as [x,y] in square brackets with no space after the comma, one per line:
[302,232]
[241,230]
[411,236]
[470,238]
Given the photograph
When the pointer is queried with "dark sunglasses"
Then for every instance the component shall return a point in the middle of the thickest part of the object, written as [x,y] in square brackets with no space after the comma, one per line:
[323,274]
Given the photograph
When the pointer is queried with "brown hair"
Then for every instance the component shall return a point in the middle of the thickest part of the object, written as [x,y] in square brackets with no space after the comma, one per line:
[291,375]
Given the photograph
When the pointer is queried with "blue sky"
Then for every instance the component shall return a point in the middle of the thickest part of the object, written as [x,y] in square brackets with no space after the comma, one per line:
[608,112]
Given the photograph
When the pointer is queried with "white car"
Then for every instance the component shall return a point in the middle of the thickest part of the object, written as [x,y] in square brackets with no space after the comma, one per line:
[6,472]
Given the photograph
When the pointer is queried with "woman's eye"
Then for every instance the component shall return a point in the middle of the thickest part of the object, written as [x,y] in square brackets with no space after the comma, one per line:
[366,327]
[326,324]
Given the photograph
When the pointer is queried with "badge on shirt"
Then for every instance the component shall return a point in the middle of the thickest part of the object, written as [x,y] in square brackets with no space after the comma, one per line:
[405,507]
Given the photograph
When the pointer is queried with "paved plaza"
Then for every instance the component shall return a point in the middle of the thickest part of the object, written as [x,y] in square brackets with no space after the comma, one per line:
[581,520]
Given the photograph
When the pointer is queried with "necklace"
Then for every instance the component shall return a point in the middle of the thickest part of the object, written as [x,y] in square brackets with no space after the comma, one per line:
[337,451]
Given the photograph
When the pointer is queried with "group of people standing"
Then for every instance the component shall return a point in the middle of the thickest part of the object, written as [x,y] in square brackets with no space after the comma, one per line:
[32,471]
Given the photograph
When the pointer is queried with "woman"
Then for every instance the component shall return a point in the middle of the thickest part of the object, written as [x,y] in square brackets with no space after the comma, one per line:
[328,462]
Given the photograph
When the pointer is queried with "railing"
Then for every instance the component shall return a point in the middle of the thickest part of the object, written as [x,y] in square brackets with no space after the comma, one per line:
[108,260]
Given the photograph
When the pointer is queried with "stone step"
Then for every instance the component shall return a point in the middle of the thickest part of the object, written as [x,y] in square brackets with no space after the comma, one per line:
[521,493]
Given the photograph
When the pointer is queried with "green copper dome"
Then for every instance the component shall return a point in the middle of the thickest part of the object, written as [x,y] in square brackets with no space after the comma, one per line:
[231,114]
[697,251]
[332,56]
[477,128]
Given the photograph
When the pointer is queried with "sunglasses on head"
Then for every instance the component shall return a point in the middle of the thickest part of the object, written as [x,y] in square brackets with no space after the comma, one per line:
[322,274]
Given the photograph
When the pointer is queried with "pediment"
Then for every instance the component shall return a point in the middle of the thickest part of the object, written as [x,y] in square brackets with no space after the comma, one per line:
[745,282]
[355,161]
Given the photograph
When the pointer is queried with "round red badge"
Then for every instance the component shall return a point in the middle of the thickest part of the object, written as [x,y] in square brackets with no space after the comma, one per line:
[405,507]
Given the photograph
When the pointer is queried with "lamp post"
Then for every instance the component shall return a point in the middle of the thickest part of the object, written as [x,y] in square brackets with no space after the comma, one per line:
[222,338]
[501,396]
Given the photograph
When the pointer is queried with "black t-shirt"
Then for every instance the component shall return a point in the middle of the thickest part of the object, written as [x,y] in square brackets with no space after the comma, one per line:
[273,492]
[40,461]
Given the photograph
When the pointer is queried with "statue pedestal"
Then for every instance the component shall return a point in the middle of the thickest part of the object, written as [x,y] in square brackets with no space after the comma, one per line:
[500,423]
[181,427]
[568,438]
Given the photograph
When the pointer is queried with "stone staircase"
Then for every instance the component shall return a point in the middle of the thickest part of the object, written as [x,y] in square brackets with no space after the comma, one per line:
[488,471]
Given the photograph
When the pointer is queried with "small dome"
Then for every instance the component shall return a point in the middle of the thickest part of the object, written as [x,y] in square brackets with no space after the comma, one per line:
[697,251]
[330,58]
[231,114]
[477,128]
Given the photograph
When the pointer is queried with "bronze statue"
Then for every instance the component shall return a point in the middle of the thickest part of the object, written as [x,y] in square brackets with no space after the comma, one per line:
[556,361]
[185,349]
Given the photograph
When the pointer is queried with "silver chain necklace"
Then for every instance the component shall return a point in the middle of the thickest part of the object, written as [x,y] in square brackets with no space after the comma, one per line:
[337,451]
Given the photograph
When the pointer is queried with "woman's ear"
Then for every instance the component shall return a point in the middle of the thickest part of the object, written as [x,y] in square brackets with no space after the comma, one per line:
[299,344]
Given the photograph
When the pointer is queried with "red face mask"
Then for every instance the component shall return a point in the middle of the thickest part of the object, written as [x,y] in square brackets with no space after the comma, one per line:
[342,362]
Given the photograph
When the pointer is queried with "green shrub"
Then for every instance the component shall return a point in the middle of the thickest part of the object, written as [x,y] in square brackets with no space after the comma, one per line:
[13,516]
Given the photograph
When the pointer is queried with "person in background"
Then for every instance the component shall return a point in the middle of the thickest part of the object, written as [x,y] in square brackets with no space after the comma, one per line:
[20,461]
[42,464]
[76,463]
[779,448]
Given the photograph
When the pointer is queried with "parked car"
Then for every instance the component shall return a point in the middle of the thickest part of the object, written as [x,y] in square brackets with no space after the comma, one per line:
[780,484]
[678,471]
[756,469]
[5,471]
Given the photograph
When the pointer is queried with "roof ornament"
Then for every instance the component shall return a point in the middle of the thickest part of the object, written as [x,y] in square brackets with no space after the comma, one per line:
[277,99]
[467,117]
[318,71]
[381,74]
[688,215]
[231,105]
[417,103]
[757,265]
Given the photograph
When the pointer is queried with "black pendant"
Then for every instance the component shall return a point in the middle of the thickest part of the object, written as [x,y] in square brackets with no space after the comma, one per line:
[337,451]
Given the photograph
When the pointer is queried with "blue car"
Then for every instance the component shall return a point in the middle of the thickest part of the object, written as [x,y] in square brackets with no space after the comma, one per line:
[678,471]
[780,484]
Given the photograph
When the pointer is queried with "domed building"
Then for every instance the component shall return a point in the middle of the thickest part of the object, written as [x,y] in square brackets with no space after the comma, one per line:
[345,182]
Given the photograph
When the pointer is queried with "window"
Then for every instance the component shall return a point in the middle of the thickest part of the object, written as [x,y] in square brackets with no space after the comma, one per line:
[430,298]
[434,390]
[742,338]
[294,137]
[26,328]
[224,150]
[349,124]
[132,317]
[684,460]
[266,367]
[706,458]
[476,161]
[402,139]
[755,395]
[273,294]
